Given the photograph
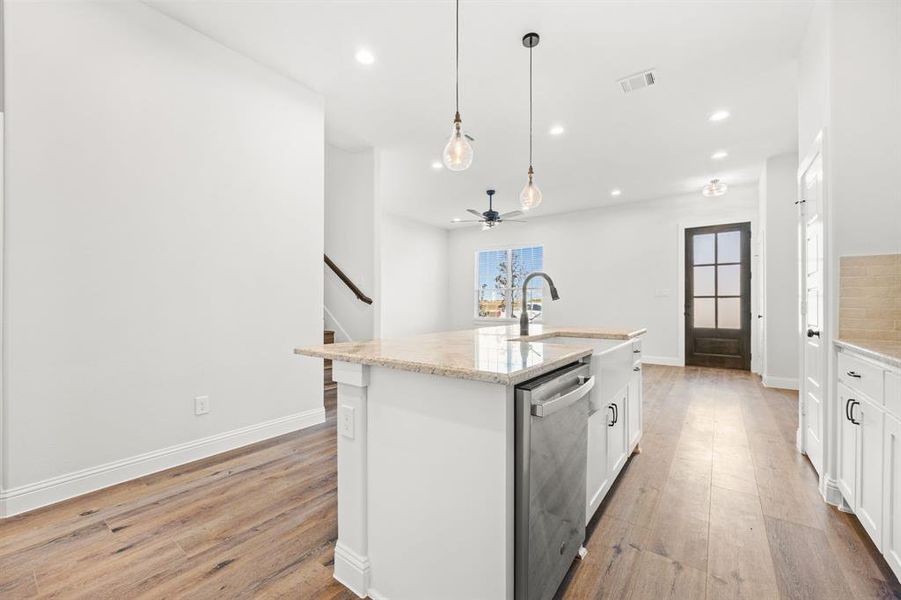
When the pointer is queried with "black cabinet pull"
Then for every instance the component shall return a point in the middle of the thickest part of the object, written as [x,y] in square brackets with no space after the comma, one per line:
[636,351]
[847,406]
[613,422]
[615,413]
[854,374]
[812,332]
[851,411]
[636,369]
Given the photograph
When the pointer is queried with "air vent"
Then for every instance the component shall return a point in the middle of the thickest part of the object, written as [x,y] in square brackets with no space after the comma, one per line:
[637,81]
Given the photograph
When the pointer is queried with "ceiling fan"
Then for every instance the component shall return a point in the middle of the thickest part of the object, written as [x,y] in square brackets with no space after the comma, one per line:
[491,218]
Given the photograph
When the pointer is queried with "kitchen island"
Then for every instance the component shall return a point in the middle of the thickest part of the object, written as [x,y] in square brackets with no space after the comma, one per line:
[426,451]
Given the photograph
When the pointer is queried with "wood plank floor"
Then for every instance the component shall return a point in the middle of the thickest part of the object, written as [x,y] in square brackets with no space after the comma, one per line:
[718,505]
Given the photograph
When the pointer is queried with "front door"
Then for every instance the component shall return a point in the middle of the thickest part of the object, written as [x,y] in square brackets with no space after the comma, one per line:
[813,359]
[718,296]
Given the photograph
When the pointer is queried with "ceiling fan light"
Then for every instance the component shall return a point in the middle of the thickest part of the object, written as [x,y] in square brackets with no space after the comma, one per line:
[714,188]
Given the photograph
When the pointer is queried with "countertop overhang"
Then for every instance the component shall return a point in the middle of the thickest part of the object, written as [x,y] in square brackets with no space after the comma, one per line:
[490,354]
[887,352]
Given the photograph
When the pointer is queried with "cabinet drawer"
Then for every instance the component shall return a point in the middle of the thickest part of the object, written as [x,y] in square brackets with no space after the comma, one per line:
[861,376]
[893,393]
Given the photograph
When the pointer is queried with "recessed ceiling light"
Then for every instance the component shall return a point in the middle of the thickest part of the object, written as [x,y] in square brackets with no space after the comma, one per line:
[616,192]
[437,165]
[719,115]
[456,219]
[719,155]
[364,57]
[557,130]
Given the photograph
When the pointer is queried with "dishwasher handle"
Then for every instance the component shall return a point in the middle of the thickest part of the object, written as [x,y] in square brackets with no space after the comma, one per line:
[544,409]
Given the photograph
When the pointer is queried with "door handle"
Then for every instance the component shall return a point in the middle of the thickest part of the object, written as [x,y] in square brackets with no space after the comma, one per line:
[854,374]
[812,332]
[851,411]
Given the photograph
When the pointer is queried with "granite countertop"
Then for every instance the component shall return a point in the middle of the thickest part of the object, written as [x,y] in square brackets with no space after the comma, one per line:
[879,350]
[490,354]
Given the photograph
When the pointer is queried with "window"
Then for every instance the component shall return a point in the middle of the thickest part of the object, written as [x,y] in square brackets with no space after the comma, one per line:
[717,280]
[500,274]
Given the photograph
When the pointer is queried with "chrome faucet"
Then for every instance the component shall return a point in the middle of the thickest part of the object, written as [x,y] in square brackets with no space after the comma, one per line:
[523,315]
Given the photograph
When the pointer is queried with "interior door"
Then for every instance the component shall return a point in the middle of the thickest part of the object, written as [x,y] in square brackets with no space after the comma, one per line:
[812,310]
[718,296]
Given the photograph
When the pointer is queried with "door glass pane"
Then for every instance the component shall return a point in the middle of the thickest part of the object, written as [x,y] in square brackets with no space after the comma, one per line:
[728,247]
[703,249]
[729,313]
[729,281]
[704,312]
[704,282]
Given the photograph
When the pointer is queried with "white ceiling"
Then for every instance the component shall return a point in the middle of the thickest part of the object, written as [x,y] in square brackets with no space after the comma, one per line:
[737,55]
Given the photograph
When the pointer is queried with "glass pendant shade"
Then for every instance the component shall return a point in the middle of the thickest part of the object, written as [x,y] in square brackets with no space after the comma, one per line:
[457,154]
[530,197]
[714,188]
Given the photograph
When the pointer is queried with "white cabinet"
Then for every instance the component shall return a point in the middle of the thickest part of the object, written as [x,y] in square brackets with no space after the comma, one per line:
[616,432]
[598,473]
[869,449]
[615,418]
[633,408]
[869,468]
[847,449]
[891,487]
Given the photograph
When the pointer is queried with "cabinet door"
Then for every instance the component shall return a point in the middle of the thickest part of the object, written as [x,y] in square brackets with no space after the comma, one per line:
[616,434]
[847,449]
[597,482]
[633,411]
[870,468]
[891,526]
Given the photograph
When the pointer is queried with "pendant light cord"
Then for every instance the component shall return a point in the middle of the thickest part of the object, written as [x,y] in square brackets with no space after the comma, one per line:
[457,42]
[530,107]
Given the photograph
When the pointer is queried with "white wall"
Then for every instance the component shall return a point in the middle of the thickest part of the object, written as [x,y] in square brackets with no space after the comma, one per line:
[778,225]
[616,266]
[414,278]
[163,240]
[349,239]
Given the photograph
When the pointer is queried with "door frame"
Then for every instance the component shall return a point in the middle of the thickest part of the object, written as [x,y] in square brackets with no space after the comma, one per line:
[828,487]
[739,216]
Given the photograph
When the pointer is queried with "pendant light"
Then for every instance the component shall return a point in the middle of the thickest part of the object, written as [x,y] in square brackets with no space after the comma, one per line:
[530,197]
[714,188]
[457,154]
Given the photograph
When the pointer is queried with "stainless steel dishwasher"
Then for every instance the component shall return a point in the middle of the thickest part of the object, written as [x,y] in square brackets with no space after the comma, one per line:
[551,454]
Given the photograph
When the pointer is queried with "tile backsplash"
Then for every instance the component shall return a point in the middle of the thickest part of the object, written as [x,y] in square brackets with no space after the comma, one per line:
[870,297]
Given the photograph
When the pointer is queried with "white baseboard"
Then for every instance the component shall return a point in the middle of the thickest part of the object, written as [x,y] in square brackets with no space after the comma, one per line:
[784,383]
[352,571]
[669,361]
[49,491]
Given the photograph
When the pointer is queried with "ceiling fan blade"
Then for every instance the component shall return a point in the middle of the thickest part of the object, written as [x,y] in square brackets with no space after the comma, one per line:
[467,220]
[512,214]
[475,212]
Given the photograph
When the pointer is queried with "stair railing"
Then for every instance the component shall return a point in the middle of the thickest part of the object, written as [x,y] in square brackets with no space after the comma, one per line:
[350,284]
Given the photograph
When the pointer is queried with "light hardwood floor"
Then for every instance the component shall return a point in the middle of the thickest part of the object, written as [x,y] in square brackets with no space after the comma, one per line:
[718,505]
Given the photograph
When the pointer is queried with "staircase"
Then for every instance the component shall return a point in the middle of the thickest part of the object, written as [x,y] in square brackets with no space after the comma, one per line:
[328,337]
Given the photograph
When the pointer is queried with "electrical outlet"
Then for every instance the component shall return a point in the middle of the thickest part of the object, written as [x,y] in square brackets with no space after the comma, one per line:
[201,405]
[346,421]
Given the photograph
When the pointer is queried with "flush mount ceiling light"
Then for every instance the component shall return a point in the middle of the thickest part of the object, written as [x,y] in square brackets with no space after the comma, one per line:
[557,130]
[714,188]
[719,155]
[457,154]
[364,57]
[720,115]
[615,192]
[530,197]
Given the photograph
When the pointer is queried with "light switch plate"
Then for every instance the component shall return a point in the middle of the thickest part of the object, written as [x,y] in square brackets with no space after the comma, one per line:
[201,405]
[346,421]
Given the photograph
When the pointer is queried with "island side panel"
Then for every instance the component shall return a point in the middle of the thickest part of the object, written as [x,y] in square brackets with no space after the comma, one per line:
[440,486]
